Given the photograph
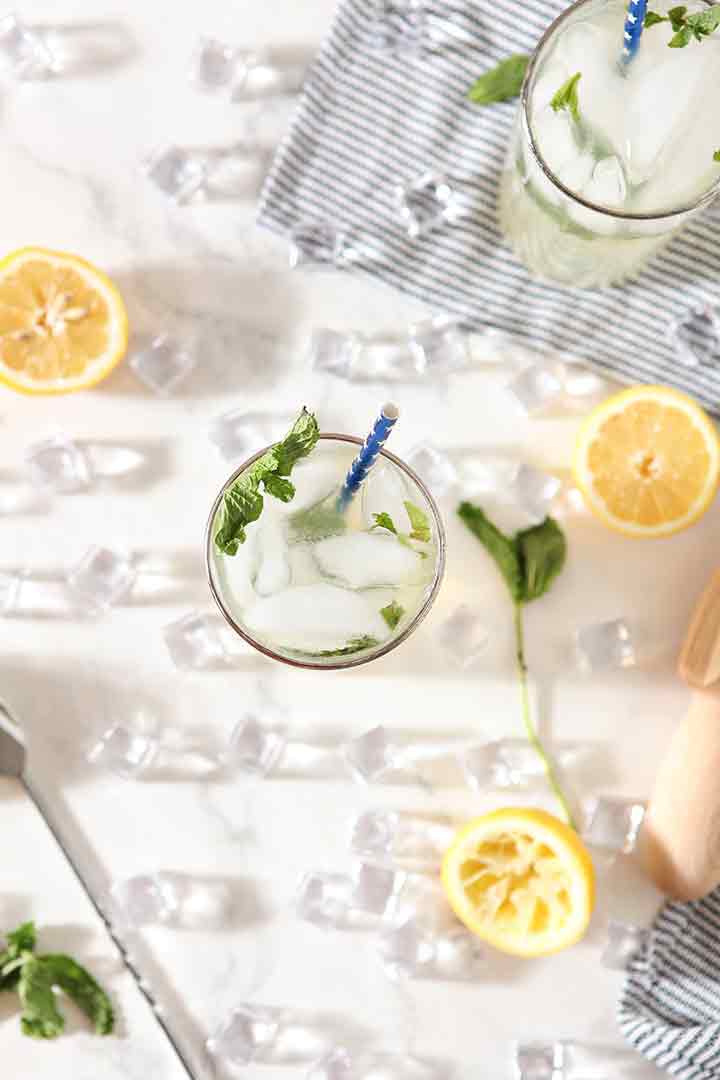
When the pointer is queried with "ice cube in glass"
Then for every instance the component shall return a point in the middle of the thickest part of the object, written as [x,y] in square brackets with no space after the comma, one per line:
[613,823]
[163,364]
[624,944]
[124,750]
[194,642]
[24,51]
[425,204]
[144,899]
[180,174]
[249,1032]
[536,388]
[369,755]
[333,352]
[464,636]
[605,645]
[254,747]
[324,899]
[434,468]
[540,1061]
[695,335]
[316,243]
[59,464]
[101,579]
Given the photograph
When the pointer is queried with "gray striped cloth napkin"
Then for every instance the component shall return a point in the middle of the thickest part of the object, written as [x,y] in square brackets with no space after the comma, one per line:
[670,1006]
[369,119]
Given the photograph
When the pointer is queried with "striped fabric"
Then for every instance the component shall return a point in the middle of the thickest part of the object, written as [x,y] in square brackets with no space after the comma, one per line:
[369,119]
[670,1007]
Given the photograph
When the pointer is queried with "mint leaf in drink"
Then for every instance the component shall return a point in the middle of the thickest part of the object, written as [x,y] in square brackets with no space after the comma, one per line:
[419,523]
[716,155]
[79,985]
[652,18]
[499,547]
[682,38]
[392,614]
[354,645]
[676,17]
[686,27]
[279,487]
[41,1018]
[243,502]
[384,521]
[567,96]
[541,551]
[500,83]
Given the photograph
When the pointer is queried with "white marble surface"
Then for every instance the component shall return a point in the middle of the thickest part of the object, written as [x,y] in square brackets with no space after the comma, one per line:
[70,180]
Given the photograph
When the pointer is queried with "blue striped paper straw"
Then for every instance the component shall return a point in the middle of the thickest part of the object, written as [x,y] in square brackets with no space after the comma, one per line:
[634,23]
[368,455]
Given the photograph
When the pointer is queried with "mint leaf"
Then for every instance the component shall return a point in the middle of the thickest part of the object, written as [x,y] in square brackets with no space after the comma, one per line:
[243,503]
[80,987]
[384,521]
[20,945]
[41,1018]
[681,39]
[541,551]
[676,16]
[686,27]
[567,96]
[298,443]
[419,523]
[500,83]
[354,645]
[716,155]
[392,614]
[501,548]
[652,18]
[279,487]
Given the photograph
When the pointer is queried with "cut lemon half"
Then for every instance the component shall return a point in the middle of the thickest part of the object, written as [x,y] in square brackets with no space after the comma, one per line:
[63,324]
[521,880]
[648,461]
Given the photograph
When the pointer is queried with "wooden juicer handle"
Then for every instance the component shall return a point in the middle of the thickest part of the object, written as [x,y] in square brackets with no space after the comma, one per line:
[680,838]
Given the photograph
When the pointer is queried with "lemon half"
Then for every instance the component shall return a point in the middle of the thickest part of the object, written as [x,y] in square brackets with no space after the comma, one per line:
[63,324]
[521,880]
[648,461]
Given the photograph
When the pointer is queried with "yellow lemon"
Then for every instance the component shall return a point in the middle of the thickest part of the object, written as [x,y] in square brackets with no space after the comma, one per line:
[63,324]
[648,461]
[521,880]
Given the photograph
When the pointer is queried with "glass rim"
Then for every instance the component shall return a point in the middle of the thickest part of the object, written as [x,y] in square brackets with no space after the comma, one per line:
[623,215]
[341,662]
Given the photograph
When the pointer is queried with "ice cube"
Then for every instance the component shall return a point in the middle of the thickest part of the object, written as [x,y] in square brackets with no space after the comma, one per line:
[255,747]
[194,642]
[273,566]
[58,463]
[123,750]
[163,364]
[180,174]
[426,203]
[24,51]
[556,137]
[315,618]
[374,888]
[337,1065]
[507,763]
[385,491]
[21,594]
[540,1061]
[314,481]
[370,755]
[536,388]
[464,636]
[441,346]
[101,578]
[324,899]
[147,898]
[413,951]
[366,560]
[434,468]
[534,491]
[387,837]
[317,244]
[695,335]
[606,186]
[214,65]
[624,944]
[390,358]
[613,823]
[248,1032]
[333,352]
[605,645]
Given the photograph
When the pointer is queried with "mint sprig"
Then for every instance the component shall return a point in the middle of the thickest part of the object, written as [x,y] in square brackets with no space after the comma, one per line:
[35,978]
[419,527]
[529,562]
[501,83]
[243,501]
[567,97]
[686,27]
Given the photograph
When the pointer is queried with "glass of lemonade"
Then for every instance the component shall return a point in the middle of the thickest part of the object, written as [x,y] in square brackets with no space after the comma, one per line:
[310,592]
[586,200]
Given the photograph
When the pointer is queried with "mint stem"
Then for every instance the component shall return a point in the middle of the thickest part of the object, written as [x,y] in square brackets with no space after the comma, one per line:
[532,734]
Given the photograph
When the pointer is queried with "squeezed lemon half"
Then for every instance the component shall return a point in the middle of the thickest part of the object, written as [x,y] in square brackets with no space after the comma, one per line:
[521,880]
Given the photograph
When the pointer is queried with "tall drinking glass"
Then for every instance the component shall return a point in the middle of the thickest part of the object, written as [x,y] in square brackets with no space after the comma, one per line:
[317,589]
[589,195]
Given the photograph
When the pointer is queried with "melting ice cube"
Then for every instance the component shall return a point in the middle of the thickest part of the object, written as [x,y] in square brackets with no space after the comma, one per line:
[315,618]
[365,560]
